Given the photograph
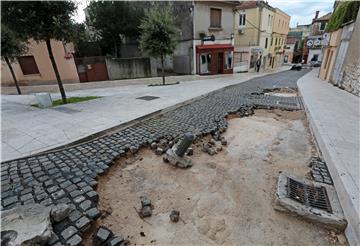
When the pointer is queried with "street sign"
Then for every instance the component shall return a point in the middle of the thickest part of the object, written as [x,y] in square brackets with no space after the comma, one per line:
[309,43]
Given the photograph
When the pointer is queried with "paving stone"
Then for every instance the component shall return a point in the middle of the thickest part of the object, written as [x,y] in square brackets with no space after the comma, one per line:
[10,200]
[75,215]
[83,223]
[68,232]
[93,213]
[93,196]
[74,241]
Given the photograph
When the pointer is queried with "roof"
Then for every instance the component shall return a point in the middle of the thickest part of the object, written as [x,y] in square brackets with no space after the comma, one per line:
[323,18]
[248,5]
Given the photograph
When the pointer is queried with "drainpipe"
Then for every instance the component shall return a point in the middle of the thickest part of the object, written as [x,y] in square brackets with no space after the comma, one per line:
[193,39]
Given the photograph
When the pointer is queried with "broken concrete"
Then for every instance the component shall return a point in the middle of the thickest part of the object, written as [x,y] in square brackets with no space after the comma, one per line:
[334,220]
[26,225]
[175,160]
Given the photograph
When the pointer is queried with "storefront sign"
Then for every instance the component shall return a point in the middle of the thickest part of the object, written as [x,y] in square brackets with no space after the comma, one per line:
[209,38]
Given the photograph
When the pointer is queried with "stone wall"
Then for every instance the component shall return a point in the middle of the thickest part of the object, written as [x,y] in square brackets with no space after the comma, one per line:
[349,77]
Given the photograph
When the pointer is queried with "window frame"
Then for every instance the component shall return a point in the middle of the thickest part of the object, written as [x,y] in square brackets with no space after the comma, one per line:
[25,71]
[242,19]
[220,21]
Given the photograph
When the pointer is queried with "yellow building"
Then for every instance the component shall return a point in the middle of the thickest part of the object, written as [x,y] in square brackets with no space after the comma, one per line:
[260,31]
[280,30]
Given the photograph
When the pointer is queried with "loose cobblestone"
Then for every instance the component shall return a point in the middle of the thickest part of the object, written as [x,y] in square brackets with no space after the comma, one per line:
[69,175]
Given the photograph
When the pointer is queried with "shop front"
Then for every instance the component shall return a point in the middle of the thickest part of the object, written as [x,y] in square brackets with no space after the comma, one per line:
[214,59]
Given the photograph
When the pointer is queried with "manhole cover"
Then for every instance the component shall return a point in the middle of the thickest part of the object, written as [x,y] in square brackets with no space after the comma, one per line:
[147,98]
[308,195]
[288,104]
[67,110]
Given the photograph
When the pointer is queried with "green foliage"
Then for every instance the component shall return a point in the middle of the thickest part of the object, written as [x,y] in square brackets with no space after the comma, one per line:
[158,32]
[71,100]
[11,44]
[40,20]
[110,20]
[345,12]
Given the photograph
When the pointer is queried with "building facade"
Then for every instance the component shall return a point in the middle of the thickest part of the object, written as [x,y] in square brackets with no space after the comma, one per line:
[253,29]
[35,67]
[315,42]
[280,31]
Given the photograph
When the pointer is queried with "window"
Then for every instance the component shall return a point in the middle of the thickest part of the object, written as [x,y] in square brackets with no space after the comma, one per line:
[275,41]
[271,42]
[215,18]
[242,18]
[266,41]
[28,65]
[279,23]
[322,26]
[228,59]
[269,20]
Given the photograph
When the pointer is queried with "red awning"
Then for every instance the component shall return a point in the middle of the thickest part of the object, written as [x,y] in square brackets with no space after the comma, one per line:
[215,46]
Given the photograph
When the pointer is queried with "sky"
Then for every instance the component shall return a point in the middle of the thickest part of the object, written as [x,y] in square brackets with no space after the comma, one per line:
[301,11]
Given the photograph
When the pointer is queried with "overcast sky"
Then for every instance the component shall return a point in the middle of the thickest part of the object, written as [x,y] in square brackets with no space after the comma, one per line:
[301,11]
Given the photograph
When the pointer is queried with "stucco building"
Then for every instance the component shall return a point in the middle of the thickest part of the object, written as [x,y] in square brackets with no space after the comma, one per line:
[315,42]
[253,29]
[35,67]
[280,30]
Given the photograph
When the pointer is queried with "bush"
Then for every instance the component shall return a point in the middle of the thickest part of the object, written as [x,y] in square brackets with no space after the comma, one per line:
[345,12]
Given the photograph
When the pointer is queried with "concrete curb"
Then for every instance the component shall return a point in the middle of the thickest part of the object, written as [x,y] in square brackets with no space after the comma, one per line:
[352,230]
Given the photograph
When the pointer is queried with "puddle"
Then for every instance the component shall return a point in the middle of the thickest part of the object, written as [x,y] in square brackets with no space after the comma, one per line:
[223,199]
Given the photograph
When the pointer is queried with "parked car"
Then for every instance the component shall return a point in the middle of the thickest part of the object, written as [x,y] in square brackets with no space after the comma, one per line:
[297,67]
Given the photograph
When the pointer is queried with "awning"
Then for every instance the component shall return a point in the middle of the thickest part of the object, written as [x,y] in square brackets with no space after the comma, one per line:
[214,47]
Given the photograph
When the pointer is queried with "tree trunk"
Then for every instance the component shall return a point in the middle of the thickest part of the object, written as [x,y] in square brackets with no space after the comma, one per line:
[162,69]
[51,55]
[13,75]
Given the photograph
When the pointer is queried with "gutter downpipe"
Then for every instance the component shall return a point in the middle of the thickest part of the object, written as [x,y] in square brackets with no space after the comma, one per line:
[193,39]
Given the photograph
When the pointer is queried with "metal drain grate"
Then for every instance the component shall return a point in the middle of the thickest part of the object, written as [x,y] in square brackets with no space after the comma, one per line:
[308,195]
[288,104]
[147,98]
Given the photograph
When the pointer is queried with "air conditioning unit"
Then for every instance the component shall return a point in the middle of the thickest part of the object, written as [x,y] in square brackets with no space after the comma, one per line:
[241,31]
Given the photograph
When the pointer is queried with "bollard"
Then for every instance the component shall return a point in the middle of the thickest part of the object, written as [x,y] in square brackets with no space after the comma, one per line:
[184,144]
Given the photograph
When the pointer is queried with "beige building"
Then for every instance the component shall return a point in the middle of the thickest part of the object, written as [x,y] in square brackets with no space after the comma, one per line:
[253,28]
[213,26]
[35,67]
[280,30]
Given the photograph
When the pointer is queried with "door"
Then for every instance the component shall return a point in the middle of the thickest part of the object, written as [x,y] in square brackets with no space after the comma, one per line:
[220,62]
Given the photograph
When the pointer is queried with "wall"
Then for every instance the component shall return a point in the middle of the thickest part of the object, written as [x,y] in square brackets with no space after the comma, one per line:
[330,55]
[129,68]
[202,20]
[251,33]
[350,79]
[66,67]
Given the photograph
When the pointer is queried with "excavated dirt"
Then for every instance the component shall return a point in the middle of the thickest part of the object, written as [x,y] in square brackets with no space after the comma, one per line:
[223,199]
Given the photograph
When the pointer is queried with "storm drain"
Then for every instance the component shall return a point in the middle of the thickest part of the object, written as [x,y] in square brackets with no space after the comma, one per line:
[147,98]
[288,104]
[308,195]
[311,200]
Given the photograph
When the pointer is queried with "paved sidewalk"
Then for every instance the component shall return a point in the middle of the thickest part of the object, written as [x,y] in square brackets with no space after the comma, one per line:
[28,130]
[334,116]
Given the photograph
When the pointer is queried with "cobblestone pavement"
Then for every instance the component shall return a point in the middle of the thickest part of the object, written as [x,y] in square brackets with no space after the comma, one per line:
[69,175]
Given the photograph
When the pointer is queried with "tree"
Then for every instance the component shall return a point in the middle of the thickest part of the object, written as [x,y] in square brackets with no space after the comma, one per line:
[111,20]
[158,34]
[345,12]
[11,47]
[41,21]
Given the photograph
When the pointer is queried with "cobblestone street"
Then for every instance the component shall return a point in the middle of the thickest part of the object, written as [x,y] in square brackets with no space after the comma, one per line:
[69,175]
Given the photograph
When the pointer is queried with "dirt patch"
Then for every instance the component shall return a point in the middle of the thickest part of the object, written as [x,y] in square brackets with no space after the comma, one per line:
[282,92]
[223,199]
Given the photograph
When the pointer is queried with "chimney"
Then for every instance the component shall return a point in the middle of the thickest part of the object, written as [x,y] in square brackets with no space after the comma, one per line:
[316,14]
